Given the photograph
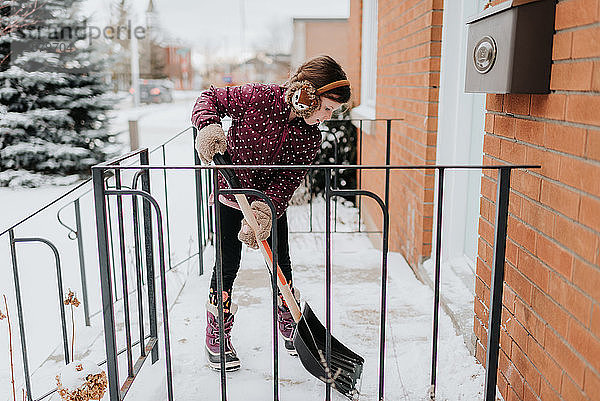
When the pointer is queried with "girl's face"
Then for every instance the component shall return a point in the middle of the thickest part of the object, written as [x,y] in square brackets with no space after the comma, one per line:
[328,106]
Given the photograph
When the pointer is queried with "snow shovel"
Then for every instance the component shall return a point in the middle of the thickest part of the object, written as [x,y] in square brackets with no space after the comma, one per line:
[309,337]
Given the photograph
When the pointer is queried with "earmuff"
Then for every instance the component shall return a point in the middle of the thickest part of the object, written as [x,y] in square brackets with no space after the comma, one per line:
[305,98]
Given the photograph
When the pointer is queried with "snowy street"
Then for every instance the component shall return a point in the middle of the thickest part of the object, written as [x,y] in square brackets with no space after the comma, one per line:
[356,287]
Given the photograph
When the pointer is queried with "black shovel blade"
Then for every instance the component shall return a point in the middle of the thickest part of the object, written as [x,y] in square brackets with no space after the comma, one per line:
[346,366]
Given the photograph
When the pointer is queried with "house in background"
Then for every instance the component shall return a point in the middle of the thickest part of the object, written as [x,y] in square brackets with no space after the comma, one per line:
[263,67]
[178,66]
[308,41]
[408,59]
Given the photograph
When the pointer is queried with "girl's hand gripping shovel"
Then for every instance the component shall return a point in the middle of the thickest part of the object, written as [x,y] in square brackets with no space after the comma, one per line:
[309,337]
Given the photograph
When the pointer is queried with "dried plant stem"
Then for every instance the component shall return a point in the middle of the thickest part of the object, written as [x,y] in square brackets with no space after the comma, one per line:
[73,337]
[73,302]
[12,367]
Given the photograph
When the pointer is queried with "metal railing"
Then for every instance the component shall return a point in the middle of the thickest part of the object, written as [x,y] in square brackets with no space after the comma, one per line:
[118,391]
[204,182]
[76,233]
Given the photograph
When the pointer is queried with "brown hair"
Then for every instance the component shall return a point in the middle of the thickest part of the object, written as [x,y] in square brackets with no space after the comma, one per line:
[320,71]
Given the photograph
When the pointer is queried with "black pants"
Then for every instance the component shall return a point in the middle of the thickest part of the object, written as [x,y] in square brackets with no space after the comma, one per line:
[231,246]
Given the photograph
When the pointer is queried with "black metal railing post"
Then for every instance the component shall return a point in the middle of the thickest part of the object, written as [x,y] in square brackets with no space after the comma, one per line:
[388,159]
[388,147]
[328,277]
[211,218]
[84,290]
[112,247]
[165,191]
[199,208]
[219,279]
[274,252]
[138,273]
[124,281]
[335,179]
[359,186]
[138,262]
[436,296]
[147,212]
[384,269]
[108,312]
[311,185]
[494,323]
[13,253]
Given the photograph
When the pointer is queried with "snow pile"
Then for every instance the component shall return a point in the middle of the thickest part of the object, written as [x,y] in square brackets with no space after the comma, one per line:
[81,381]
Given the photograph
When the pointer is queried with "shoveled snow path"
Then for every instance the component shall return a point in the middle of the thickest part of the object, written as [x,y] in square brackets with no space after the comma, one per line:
[356,286]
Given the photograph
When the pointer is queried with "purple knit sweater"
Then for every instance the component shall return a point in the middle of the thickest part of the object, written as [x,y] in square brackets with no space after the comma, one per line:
[261,133]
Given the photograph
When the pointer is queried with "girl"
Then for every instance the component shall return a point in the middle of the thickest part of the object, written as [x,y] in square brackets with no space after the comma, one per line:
[271,124]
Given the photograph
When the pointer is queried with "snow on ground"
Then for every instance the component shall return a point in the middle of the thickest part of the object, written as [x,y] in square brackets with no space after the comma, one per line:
[356,290]
[457,288]
[157,122]
[356,286]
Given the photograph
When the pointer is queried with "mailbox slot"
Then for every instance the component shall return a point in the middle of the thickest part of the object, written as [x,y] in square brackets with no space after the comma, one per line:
[509,48]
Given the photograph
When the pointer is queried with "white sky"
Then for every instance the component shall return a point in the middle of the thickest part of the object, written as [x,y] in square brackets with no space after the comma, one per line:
[216,25]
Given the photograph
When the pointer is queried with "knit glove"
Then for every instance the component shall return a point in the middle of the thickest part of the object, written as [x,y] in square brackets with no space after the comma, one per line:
[262,212]
[209,141]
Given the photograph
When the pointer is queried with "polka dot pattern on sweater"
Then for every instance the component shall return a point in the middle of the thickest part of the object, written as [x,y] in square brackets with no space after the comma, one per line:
[261,134]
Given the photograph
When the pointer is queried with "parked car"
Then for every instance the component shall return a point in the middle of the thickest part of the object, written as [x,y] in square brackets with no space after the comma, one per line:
[156,91]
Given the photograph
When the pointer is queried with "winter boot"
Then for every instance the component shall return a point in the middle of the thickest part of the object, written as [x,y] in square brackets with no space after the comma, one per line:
[285,322]
[213,351]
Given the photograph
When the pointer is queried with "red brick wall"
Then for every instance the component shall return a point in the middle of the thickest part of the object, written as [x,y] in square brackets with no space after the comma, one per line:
[551,317]
[408,74]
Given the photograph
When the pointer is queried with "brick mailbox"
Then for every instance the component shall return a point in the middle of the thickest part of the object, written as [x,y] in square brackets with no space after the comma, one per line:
[509,48]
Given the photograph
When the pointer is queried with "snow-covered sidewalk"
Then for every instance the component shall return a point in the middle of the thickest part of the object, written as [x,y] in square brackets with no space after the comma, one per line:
[356,290]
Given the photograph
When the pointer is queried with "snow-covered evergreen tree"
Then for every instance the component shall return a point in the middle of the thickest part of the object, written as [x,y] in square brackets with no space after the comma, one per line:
[53,96]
